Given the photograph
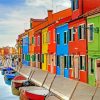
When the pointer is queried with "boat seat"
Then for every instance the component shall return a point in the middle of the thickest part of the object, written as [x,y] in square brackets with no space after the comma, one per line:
[26,71]
[97,94]
[63,87]
[83,91]
[49,79]
[52,98]
[39,77]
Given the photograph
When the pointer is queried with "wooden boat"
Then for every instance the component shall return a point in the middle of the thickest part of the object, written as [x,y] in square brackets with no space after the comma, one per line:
[5,69]
[16,83]
[33,93]
[8,78]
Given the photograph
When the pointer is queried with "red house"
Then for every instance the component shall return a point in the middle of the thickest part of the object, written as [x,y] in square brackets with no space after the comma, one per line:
[77,39]
[51,49]
[38,48]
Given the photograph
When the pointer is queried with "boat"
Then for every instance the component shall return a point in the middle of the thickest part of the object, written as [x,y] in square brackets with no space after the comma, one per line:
[5,69]
[16,83]
[8,78]
[33,93]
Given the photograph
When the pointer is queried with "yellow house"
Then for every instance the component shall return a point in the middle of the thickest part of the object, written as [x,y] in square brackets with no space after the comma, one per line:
[44,48]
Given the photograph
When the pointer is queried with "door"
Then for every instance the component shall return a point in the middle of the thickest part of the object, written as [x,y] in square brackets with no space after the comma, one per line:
[62,65]
[76,66]
[98,72]
[37,60]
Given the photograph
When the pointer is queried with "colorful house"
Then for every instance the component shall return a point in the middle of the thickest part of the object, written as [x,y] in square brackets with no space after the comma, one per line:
[77,43]
[93,33]
[62,50]
[31,47]
[44,48]
[51,36]
[77,50]
[25,50]
[78,40]
[38,49]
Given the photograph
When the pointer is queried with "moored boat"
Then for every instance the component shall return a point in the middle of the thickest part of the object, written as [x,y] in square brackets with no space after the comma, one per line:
[33,93]
[16,83]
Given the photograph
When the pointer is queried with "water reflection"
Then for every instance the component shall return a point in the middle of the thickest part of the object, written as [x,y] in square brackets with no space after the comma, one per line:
[5,90]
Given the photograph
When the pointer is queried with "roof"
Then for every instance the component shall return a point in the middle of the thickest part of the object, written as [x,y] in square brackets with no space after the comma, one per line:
[92,12]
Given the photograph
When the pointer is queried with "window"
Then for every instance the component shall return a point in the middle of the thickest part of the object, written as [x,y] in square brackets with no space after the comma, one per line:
[42,58]
[82,63]
[48,37]
[58,61]
[91,64]
[74,4]
[23,56]
[32,40]
[43,39]
[71,34]
[70,61]
[48,59]
[39,57]
[38,40]
[58,38]
[65,62]
[65,37]
[34,57]
[90,33]
[81,32]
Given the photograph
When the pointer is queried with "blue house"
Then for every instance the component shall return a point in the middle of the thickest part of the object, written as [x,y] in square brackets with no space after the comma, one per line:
[62,50]
[25,51]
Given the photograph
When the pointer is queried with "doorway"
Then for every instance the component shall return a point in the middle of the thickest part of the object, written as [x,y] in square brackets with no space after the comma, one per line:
[98,72]
[62,65]
[76,66]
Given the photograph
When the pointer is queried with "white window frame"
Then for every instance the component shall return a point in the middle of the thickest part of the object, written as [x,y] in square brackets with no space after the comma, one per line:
[81,31]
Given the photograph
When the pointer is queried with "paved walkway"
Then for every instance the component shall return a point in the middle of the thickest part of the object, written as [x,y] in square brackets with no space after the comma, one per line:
[5,90]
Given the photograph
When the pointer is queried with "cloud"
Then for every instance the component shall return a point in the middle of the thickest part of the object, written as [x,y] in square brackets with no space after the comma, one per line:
[14,21]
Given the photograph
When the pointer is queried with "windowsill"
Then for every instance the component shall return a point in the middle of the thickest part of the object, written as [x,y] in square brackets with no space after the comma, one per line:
[90,41]
[75,10]
[82,39]
[82,70]
[71,41]
[91,74]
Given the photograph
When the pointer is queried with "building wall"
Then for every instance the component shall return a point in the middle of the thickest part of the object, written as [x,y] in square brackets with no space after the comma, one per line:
[52,49]
[44,48]
[94,48]
[38,48]
[62,49]
[77,48]
[26,51]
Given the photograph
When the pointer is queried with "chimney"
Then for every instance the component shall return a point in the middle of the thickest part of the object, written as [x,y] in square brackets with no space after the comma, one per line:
[50,16]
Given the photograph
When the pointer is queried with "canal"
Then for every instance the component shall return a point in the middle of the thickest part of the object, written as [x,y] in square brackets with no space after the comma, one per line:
[5,90]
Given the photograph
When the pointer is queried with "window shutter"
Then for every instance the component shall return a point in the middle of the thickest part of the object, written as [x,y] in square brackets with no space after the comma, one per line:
[68,36]
[79,32]
[91,32]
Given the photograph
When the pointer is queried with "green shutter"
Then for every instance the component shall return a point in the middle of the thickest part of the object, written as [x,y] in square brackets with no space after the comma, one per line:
[42,58]
[32,40]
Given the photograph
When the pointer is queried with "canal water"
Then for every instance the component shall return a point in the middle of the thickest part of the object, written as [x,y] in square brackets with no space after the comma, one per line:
[5,90]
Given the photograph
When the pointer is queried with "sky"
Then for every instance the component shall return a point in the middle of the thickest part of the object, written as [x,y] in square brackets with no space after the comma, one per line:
[15,16]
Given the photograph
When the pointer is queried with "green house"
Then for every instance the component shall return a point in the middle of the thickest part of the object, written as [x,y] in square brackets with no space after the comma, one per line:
[93,33]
